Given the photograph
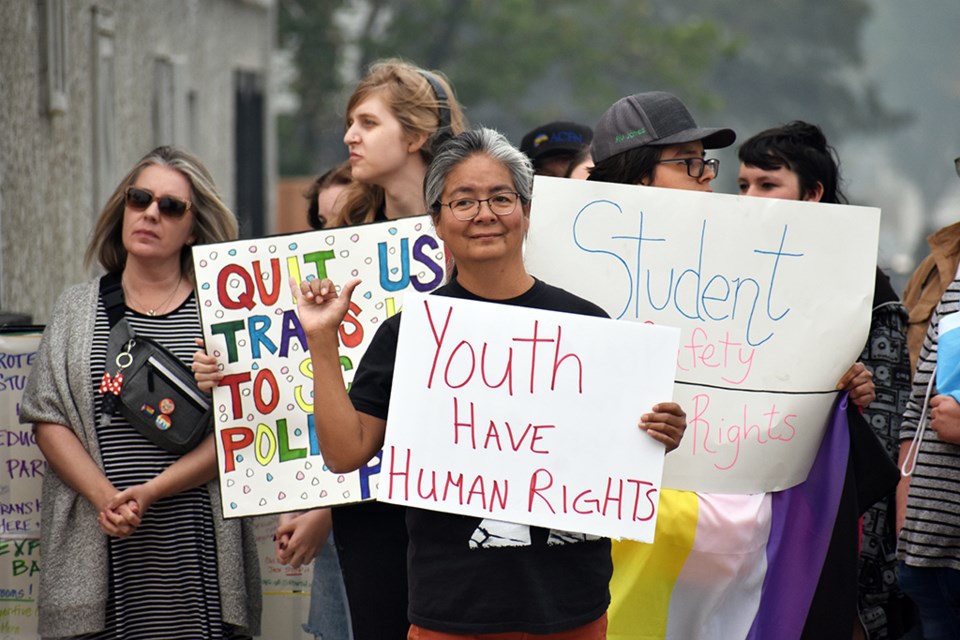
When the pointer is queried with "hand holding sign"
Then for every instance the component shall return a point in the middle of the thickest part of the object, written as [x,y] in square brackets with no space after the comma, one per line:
[206,371]
[666,424]
[858,380]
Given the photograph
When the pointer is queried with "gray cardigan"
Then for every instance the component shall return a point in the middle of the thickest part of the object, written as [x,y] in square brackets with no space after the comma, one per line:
[73,582]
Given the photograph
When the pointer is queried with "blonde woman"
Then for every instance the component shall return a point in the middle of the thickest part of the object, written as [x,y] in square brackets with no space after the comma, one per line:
[123,519]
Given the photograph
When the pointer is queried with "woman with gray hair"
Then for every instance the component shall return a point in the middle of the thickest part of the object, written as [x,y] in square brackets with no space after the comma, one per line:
[124,519]
[464,578]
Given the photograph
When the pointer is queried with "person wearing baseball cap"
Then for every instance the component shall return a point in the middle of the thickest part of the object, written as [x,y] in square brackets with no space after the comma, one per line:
[651,139]
[552,146]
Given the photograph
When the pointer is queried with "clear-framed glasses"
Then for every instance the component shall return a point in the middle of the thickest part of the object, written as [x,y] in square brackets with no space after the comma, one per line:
[956,163]
[695,166]
[501,204]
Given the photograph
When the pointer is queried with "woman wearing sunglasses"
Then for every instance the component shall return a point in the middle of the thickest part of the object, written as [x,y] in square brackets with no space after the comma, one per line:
[133,538]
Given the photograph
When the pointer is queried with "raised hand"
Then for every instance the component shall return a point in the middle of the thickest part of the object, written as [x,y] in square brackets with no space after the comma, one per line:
[320,307]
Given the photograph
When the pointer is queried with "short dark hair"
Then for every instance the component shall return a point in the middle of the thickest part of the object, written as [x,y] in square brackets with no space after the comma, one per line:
[802,148]
[582,155]
[633,166]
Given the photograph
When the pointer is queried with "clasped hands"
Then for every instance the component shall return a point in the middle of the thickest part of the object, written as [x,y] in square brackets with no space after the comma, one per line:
[121,514]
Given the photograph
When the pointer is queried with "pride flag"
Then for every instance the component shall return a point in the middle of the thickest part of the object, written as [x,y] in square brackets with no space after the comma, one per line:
[736,567]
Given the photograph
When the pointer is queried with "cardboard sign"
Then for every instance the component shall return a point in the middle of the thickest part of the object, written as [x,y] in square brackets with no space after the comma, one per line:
[527,416]
[773,298]
[266,442]
[286,591]
[21,475]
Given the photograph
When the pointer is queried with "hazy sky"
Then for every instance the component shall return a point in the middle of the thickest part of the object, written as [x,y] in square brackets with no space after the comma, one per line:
[912,50]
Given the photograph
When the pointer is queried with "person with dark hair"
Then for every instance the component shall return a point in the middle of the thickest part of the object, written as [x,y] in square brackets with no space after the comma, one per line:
[324,193]
[794,162]
[580,164]
[651,139]
[791,162]
[123,518]
[552,146]
[478,189]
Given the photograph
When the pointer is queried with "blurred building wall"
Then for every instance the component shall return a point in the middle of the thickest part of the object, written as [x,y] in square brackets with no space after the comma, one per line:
[88,87]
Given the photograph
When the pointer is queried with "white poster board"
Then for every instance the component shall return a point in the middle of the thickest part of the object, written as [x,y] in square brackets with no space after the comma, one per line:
[269,458]
[527,416]
[773,298]
[286,591]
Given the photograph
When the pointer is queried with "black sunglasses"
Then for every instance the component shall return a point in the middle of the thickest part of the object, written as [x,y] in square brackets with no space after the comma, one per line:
[140,199]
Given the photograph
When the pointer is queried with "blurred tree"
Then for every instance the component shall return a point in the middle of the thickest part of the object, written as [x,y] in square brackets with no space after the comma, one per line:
[512,52]
[796,59]
[518,63]
[523,61]
[308,30]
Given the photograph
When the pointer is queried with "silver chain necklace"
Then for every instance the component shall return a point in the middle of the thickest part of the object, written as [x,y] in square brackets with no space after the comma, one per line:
[162,305]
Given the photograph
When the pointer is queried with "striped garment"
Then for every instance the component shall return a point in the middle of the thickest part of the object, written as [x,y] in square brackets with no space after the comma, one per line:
[163,581]
[931,534]
[737,567]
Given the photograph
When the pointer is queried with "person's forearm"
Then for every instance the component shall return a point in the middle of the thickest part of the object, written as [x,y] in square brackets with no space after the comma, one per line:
[194,468]
[345,442]
[72,464]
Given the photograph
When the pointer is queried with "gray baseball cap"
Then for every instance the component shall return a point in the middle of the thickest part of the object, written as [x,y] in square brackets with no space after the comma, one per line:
[654,118]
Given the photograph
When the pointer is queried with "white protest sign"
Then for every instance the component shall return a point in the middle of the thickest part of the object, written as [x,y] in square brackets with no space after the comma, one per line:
[269,458]
[527,416]
[773,298]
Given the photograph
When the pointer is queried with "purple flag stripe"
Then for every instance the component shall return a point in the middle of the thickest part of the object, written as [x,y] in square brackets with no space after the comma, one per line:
[802,523]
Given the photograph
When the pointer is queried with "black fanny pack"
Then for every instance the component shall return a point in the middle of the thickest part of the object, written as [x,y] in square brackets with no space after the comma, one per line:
[150,386]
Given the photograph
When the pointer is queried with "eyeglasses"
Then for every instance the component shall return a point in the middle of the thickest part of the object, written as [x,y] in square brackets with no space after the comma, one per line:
[140,199]
[956,163]
[695,166]
[501,204]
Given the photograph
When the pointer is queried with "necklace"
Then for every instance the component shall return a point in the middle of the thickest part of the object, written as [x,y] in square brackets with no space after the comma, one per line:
[153,312]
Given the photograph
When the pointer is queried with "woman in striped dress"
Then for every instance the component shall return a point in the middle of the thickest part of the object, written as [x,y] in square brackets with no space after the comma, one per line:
[133,538]
[928,498]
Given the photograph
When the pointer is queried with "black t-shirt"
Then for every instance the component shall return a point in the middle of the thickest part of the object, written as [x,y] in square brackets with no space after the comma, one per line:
[474,575]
